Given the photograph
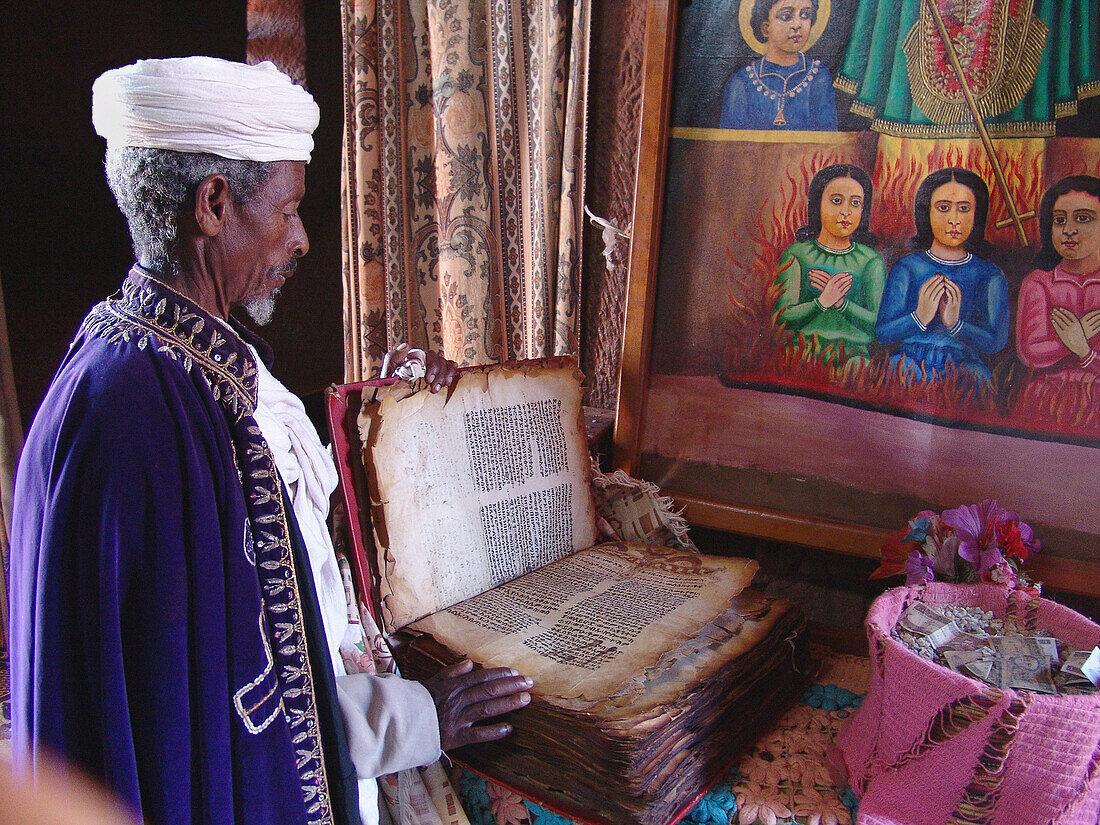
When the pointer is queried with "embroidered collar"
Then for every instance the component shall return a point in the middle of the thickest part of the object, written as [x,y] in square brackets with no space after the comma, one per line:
[969,257]
[151,312]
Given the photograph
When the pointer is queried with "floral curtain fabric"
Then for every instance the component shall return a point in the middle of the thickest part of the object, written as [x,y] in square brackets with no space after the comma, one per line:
[463,177]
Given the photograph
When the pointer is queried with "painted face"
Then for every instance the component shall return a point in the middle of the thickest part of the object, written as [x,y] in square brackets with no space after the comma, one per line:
[1076,226]
[952,214]
[788,25]
[841,209]
[266,240]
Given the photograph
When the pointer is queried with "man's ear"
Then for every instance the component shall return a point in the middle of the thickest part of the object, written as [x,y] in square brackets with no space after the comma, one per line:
[212,202]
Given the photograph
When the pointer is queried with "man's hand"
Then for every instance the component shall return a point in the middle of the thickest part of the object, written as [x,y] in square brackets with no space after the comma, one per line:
[438,371]
[464,697]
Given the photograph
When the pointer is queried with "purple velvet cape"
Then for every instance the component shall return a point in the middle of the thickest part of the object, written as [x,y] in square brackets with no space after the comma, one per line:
[157,634]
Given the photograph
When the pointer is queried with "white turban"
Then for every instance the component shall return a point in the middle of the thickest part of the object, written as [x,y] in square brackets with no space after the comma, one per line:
[204,104]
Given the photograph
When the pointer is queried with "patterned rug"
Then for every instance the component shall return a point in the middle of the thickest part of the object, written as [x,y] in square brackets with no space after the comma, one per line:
[781,780]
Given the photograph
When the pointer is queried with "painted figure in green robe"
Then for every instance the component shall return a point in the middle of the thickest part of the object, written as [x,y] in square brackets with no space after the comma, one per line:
[1026,63]
[831,277]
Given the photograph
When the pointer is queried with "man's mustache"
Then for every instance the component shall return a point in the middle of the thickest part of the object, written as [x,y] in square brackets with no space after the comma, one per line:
[285,271]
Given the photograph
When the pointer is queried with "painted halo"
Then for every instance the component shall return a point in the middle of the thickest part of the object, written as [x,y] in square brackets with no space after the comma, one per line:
[744,17]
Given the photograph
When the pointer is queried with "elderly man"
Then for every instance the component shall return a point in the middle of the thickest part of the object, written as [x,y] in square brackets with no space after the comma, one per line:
[177,611]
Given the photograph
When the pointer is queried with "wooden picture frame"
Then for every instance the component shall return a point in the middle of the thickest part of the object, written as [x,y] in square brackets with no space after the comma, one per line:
[1074,571]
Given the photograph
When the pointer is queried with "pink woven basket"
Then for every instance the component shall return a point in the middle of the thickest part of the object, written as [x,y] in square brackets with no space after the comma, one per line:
[929,745]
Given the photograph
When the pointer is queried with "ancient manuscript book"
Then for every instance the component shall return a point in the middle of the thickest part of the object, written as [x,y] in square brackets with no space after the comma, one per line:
[652,666]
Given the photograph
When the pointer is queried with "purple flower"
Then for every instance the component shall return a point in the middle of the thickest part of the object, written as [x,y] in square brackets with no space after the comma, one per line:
[976,527]
[918,568]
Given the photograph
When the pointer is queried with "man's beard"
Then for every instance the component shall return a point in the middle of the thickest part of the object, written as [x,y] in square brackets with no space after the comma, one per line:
[261,310]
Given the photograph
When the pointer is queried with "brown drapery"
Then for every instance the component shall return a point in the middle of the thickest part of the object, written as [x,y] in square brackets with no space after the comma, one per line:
[11,441]
[463,178]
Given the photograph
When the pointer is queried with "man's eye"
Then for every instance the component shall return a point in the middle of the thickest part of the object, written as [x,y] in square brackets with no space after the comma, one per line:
[1060,220]
[1085,218]
[964,207]
[857,203]
[836,200]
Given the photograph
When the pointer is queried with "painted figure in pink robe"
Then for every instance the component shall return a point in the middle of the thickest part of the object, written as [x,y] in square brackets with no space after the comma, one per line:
[1058,311]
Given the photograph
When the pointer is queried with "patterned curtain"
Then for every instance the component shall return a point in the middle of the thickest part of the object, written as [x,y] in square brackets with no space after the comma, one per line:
[463,179]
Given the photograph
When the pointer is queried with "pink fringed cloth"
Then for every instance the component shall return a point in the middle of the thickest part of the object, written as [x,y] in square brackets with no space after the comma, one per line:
[929,745]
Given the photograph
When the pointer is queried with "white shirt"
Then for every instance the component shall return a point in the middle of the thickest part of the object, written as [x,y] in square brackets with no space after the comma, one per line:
[391,722]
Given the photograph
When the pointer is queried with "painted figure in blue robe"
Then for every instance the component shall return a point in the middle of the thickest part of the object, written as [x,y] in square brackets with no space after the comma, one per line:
[944,305]
[782,89]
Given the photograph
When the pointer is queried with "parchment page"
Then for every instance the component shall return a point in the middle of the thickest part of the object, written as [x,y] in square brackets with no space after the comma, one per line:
[588,623]
[478,487]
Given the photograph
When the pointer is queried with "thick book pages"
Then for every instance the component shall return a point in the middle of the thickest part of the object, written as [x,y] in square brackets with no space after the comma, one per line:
[590,625]
[652,667]
[476,486]
[642,754]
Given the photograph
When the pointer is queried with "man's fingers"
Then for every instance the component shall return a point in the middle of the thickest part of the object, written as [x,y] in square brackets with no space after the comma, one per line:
[482,733]
[457,669]
[487,709]
[472,678]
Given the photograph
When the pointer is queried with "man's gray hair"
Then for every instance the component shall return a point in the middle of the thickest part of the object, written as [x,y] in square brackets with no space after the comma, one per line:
[153,187]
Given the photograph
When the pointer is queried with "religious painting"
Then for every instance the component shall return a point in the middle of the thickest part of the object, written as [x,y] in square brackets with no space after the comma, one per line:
[874,272]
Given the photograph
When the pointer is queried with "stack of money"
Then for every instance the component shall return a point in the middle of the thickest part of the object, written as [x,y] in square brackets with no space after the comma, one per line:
[976,644]
[1079,673]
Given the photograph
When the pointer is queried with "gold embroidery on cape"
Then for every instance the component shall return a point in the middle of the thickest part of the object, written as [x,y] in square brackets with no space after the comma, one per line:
[175,335]
[999,82]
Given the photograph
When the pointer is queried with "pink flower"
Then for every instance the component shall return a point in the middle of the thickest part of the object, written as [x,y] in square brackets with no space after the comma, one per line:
[1002,573]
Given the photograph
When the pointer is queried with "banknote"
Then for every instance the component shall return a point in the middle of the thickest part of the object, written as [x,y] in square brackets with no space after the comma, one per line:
[1070,679]
[1049,646]
[968,641]
[1021,663]
[943,636]
[922,619]
[970,662]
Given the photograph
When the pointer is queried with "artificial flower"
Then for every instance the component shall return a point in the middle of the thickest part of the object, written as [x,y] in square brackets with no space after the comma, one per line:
[976,526]
[895,550]
[756,802]
[918,568]
[920,525]
[1002,573]
[971,542]
[1017,540]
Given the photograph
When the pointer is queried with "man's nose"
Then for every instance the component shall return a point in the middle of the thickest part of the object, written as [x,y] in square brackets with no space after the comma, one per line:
[300,244]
